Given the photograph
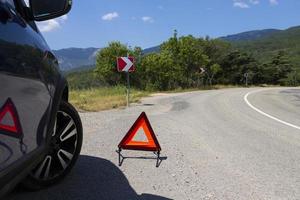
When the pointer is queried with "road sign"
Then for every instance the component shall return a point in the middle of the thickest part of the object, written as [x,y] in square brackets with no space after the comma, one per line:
[9,120]
[125,64]
[129,143]
[202,70]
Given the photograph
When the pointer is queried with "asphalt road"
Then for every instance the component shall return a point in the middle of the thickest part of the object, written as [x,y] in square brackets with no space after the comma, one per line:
[223,144]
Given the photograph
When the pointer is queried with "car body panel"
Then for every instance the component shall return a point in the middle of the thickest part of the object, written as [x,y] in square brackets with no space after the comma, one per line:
[30,78]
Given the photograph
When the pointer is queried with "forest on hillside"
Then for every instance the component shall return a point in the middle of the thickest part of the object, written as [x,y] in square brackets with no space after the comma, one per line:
[191,62]
[265,48]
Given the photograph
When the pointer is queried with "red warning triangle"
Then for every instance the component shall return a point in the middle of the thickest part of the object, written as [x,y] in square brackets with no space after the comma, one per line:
[128,142]
[9,120]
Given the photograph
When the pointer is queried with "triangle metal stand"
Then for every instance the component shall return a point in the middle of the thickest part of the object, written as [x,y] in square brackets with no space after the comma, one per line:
[121,157]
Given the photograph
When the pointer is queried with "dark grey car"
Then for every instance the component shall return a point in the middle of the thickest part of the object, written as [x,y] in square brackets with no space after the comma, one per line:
[40,132]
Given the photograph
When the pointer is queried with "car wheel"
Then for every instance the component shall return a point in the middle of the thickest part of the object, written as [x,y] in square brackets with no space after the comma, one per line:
[65,146]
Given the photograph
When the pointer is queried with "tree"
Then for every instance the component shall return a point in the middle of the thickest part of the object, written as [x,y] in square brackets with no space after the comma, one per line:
[235,65]
[180,61]
[282,66]
[171,46]
[188,57]
[157,72]
[276,71]
[292,79]
[216,49]
[211,72]
[106,62]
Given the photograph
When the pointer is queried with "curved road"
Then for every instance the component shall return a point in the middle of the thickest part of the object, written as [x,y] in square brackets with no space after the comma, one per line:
[222,144]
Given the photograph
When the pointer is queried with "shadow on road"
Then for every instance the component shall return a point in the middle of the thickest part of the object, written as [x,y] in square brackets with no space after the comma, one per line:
[91,178]
[148,104]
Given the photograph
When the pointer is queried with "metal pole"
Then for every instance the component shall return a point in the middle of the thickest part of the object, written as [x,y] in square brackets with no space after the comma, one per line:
[128,89]
[246,79]
[128,84]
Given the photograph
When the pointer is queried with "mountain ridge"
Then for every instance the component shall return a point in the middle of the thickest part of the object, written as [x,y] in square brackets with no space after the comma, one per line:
[250,35]
[72,58]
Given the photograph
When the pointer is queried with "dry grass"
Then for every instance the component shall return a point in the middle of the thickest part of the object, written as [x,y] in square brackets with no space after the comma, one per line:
[97,99]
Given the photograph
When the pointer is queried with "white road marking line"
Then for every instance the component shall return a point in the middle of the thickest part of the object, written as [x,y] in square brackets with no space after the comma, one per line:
[265,114]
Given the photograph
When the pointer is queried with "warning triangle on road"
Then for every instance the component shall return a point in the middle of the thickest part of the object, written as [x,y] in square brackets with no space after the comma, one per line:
[9,120]
[130,143]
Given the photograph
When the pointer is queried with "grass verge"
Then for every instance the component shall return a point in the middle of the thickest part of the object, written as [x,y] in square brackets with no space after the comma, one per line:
[97,99]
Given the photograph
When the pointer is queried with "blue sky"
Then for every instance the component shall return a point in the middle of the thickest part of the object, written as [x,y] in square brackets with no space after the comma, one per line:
[146,23]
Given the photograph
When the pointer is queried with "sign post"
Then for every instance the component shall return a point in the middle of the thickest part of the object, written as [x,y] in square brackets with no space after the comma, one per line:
[246,75]
[125,64]
[128,88]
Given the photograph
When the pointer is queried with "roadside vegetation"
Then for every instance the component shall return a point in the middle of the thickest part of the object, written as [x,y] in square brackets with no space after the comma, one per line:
[266,48]
[181,64]
[103,98]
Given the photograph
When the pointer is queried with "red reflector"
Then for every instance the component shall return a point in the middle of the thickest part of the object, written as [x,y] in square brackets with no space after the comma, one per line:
[9,120]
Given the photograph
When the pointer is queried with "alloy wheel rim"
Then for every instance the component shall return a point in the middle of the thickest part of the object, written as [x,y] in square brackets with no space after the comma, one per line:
[61,151]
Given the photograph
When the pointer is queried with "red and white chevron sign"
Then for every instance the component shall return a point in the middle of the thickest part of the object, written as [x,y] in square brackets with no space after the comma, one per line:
[125,64]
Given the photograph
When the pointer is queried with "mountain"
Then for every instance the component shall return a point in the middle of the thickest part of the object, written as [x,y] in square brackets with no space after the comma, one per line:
[262,44]
[250,35]
[76,59]
[71,58]
[151,50]
[265,47]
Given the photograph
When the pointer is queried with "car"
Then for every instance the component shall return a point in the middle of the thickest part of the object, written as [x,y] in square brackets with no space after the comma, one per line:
[40,131]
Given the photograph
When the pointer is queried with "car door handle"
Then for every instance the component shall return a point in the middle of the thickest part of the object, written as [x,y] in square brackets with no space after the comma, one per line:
[5,13]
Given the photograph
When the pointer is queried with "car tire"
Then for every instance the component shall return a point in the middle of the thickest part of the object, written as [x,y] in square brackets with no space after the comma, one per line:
[63,152]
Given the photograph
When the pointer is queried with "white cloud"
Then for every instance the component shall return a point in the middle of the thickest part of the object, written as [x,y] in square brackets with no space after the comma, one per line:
[148,19]
[240,4]
[53,24]
[245,3]
[110,16]
[64,17]
[254,2]
[274,2]
[249,3]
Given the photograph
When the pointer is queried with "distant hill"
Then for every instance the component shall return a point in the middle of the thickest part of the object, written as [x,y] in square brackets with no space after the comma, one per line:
[83,79]
[250,35]
[71,58]
[77,59]
[267,46]
[80,69]
[151,50]
[262,44]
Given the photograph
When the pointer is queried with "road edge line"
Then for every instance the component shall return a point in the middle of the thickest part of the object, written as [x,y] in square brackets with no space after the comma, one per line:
[266,114]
